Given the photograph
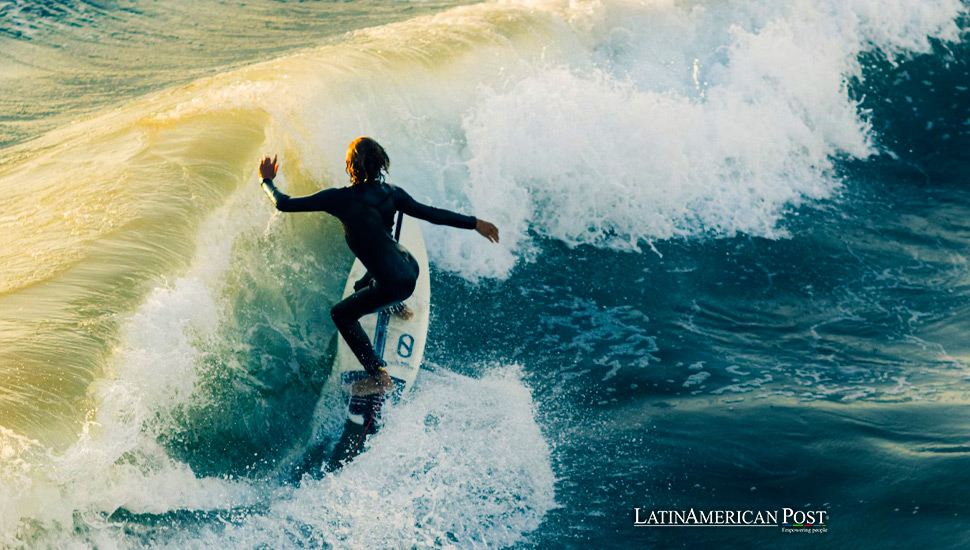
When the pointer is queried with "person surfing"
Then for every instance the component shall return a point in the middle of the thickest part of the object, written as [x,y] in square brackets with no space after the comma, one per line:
[366,208]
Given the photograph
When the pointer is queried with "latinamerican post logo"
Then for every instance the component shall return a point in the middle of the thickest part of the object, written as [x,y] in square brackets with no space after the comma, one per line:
[789,520]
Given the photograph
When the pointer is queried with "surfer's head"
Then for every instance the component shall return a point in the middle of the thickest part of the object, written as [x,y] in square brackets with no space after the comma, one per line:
[366,159]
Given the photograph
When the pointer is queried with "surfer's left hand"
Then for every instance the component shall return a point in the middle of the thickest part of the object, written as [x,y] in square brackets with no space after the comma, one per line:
[487,230]
[380,382]
[268,167]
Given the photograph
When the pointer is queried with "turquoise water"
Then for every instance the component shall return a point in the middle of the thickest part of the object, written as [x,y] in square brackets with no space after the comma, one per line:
[733,271]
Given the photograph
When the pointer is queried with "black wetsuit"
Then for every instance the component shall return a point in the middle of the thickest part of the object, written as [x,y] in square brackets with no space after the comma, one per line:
[367,214]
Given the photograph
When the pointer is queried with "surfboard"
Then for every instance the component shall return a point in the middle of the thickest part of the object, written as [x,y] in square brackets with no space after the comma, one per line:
[399,341]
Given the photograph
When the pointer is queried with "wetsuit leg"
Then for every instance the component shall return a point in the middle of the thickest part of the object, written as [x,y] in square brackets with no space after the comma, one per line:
[347,313]
[366,281]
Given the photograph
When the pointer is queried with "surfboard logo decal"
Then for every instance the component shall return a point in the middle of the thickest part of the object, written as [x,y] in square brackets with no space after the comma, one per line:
[405,345]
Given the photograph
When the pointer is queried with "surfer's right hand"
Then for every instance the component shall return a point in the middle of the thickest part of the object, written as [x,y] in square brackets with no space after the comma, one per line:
[487,230]
[268,167]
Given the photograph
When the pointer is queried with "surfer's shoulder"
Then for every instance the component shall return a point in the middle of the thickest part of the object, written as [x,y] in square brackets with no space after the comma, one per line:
[397,193]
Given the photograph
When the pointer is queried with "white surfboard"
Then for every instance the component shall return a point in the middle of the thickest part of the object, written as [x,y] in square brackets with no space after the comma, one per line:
[400,342]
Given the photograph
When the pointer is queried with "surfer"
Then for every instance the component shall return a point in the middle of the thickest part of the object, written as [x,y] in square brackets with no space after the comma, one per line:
[366,208]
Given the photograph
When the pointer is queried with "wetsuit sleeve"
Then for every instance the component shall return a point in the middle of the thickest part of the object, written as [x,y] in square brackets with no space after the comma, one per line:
[440,216]
[320,201]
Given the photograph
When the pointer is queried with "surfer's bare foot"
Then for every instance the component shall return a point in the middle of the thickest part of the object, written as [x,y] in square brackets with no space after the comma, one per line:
[402,311]
[378,383]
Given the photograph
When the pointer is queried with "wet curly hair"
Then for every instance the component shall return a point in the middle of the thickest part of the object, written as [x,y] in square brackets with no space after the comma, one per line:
[366,160]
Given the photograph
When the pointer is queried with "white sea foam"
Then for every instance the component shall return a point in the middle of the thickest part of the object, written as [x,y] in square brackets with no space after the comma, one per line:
[461,463]
[698,120]
[612,124]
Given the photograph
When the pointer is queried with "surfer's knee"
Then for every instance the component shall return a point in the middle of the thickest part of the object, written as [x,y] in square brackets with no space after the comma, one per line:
[339,313]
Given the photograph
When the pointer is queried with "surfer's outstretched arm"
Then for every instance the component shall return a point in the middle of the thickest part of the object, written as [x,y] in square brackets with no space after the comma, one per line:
[405,203]
[319,201]
[439,216]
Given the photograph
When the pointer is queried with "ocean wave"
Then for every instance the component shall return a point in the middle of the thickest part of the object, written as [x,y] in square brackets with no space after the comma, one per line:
[608,124]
